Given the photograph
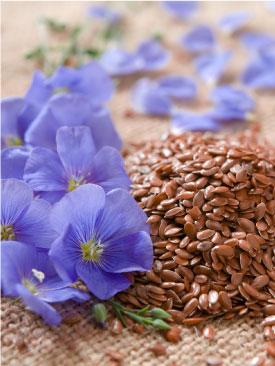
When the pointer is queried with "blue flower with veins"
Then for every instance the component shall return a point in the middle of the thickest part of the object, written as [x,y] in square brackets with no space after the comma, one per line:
[75,163]
[27,272]
[23,218]
[199,39]
[232,22]
[101,236]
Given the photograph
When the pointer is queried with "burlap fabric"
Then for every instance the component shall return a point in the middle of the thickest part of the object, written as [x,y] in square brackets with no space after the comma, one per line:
[26,340]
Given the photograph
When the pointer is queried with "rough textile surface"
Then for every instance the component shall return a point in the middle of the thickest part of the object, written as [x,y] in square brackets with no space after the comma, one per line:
[26,341]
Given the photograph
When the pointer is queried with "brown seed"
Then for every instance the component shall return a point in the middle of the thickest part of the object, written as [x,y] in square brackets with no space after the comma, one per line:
[198,199]
[190,306]
[138,328]
[116,326]
[203,301]
[208,331]
[262,178]
[173,334]
[195,213]
[214,361]
[19,342]
[270,348]
[260,281]
[193,321]
[257,361]
[260,211]
[219,201]
[241,176]
[246,225]
[190,230]
[168,275]
[177,315]
[157,349]
[269,309]
[270,320]
[269,333]
[115,355]
[213,296]
[205,234]
[224,250]
[225,300]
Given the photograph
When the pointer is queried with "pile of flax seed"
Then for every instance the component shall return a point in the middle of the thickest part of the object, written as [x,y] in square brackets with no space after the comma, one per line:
[210,201]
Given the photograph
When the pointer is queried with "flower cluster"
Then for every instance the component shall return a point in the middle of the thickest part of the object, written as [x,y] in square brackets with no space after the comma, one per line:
[66,211]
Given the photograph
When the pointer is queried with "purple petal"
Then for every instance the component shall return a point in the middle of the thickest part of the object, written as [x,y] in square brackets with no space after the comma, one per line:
[76,149]
[61,110]
[108,170]
[254,40]
[16,263]
[44,171]
[65,252]
[18,196]
[48,313]
[130,253]
[179,87]
[120,207]
[102,284]
[153,55]
[146,97]
[52,196]
[103,129]
[34,227]
[104,13]
[116,61]
[234,21]
[258,74]
[64,294]
[199,39]
[267,53]
[80,208]
[13,160]
[10,110]
[39,92]
[211,66]
[181,9]
[63,78]
[186,121]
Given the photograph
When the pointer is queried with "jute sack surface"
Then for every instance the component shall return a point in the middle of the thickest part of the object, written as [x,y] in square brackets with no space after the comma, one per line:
[26,340]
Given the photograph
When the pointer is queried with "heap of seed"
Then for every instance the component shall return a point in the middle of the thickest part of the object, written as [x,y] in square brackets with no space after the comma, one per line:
[210,201]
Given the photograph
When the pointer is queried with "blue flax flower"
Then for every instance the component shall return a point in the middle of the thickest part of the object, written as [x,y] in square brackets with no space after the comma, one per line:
[234,21]
[181,9]
[72,110]
[23,218]
[199,39]
[104,13]
[188,121]
[101,237]
[28,273]
[211,66]
[76,163]
[13,161]
[149,55]
[231,104]
[155,97]
[253,41]
[260,71]
[16,116]
[90,80]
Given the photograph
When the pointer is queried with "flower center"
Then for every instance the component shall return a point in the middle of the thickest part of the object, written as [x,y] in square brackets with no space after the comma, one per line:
[92,250]
[30,286]
[38,274]
[13,141]
[75,182]
[7,233]
[60,90]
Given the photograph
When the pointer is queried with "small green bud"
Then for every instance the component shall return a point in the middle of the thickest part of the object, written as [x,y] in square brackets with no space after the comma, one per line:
[99,312]
[159,313]
[160,324]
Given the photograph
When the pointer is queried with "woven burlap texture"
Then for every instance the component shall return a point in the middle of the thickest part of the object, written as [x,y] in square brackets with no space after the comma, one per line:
[26,340]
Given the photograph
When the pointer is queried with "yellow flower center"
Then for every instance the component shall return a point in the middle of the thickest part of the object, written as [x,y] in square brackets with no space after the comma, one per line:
[74,183]
[61,90]
[13,141]
[30,286]
[7,233]
[92,250]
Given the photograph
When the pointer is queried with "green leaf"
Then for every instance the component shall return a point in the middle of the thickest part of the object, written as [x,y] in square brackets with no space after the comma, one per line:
[143,311]
[35,53]
[94,52]
[160,324]
[99,312]
[158,36]
[159,313]
[54,24]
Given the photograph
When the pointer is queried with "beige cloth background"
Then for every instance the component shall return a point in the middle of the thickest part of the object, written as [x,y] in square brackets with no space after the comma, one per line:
[26,341]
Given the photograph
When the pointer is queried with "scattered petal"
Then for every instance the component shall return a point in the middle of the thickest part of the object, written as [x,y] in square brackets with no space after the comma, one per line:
[234,21]
[104,13]
[187,121]
[178,87]
[199,39]
[254,40]
[153,55]
[181,9]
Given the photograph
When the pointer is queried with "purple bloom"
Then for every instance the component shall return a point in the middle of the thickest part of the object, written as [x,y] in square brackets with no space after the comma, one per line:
[187,121]
[101,237]
[181,9]
[13,161]
[254,40]
[72,110]
[147,97]
[104,13]
[28,272]
[178,87]
[211,66]
[23,218]
[260,71]
[76,163]
[234,21]
[16,116]
[230,103]
[150,55]
[199,39]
